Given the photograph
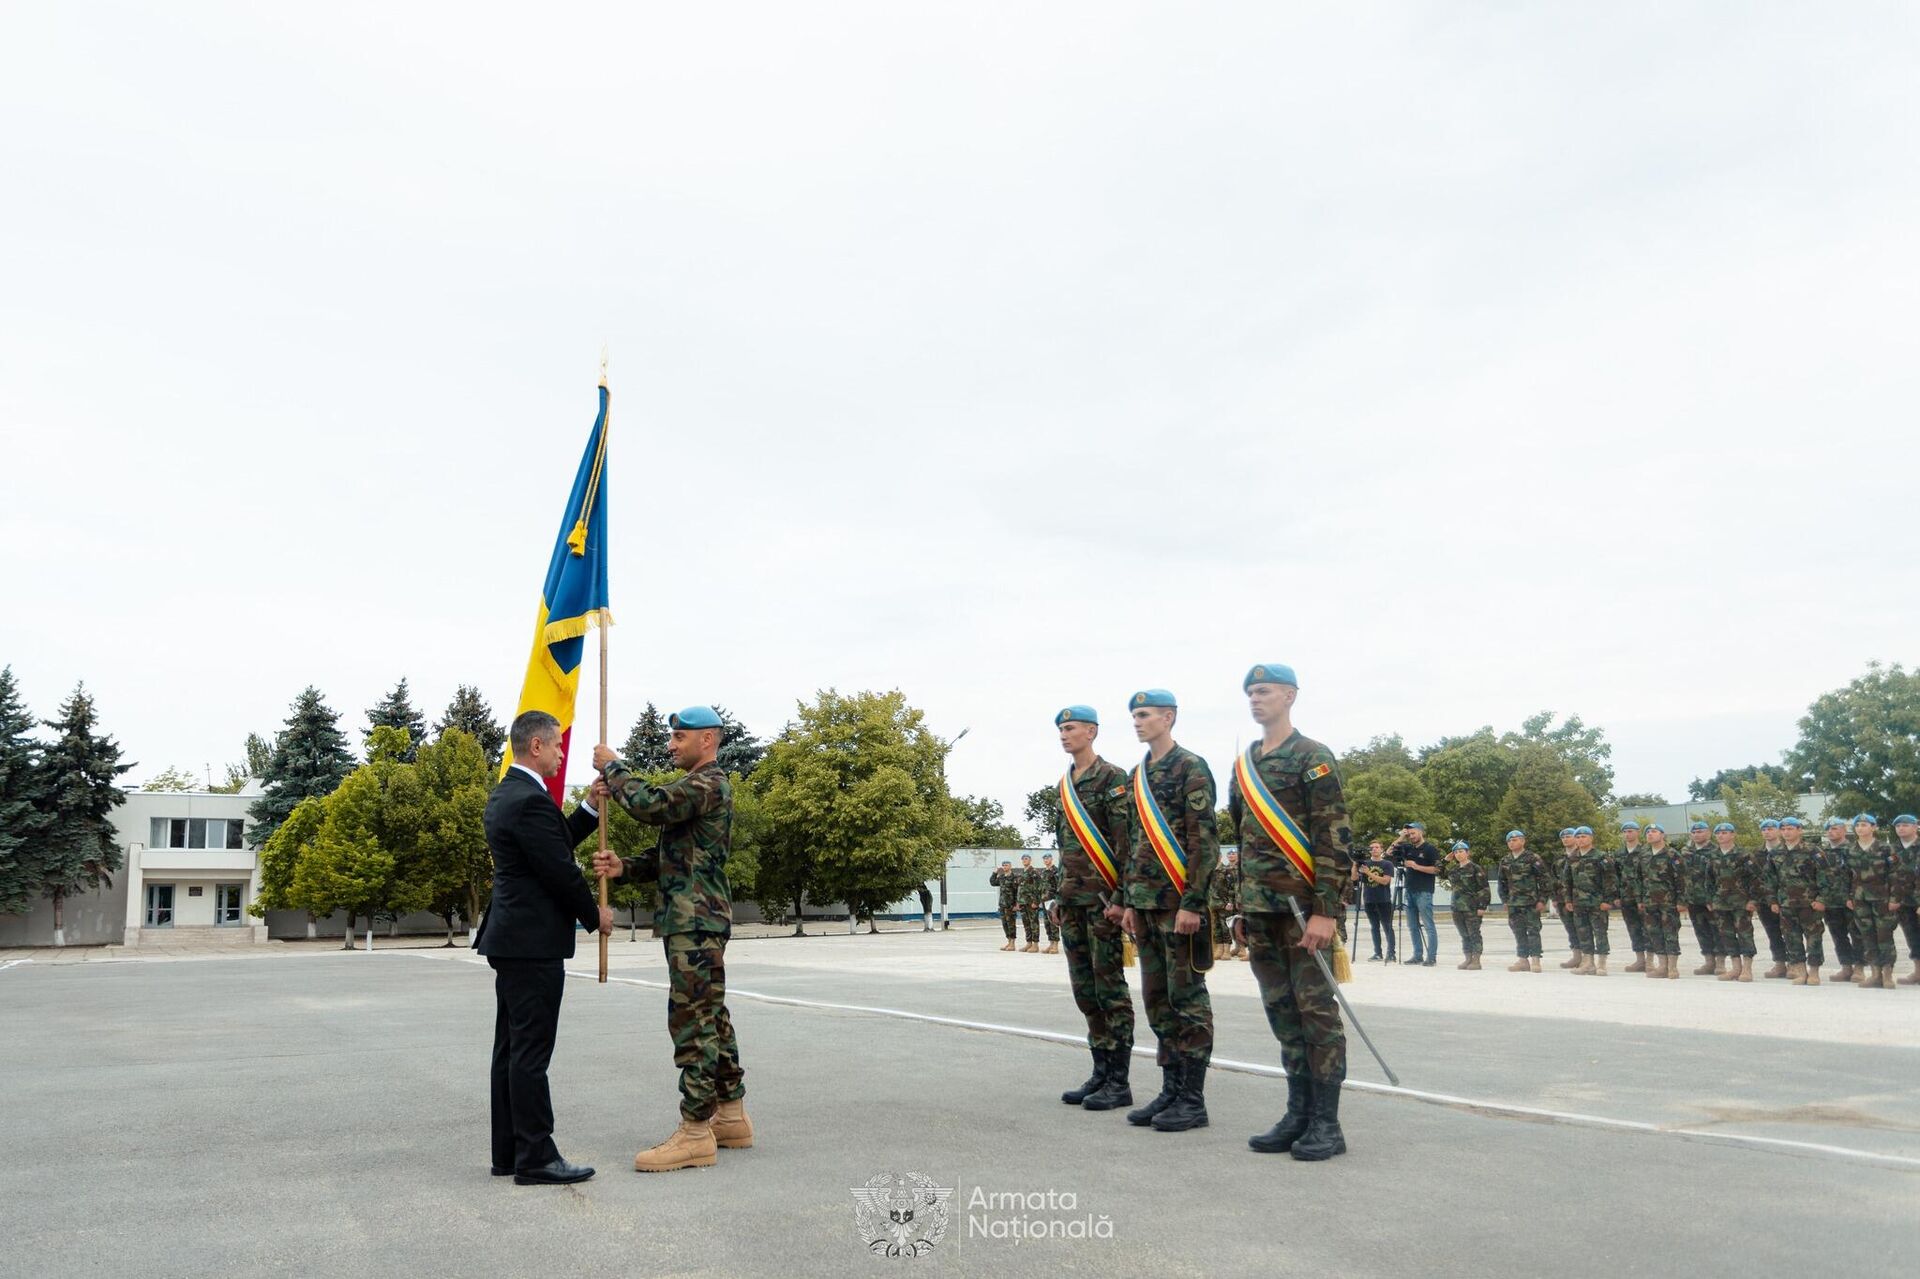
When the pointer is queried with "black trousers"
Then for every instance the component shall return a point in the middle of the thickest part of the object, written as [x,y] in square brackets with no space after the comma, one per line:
[1380,916]
[526,996]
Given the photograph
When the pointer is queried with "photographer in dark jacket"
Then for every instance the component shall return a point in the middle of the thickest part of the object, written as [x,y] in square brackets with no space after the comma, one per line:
[1374,874]
[1421,863]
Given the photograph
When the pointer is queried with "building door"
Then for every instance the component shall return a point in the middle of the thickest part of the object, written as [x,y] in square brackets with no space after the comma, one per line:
[159,906]
[226,905]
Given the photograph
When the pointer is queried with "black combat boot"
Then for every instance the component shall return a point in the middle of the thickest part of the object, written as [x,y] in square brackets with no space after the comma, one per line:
[1189,1109]
[1074,1096]
[1280,1138]
[1115,1092]
[1323,1138]
[1169,1089]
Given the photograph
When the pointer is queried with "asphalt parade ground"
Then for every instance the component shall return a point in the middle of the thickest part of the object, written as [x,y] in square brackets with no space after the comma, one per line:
[326,1114]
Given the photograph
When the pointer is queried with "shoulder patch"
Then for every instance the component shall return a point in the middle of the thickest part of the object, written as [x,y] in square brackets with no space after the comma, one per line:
[1116,792]
[1318,771]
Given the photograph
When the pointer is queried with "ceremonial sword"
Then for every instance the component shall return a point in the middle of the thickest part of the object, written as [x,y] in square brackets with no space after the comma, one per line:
[1345,1007]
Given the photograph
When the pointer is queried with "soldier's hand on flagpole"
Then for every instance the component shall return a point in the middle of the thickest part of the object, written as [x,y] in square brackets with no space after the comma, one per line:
[600,791]
[606,920]
[606,863]
[603,755]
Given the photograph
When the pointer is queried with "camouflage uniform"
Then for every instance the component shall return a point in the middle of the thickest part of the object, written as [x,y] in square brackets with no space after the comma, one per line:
[1626,869]
[1471,895]
[1525,883]
[1736,881]
[1591,887]
[693,921]
[1558,866]
[1766,865]
[1696,870]
[1662,884]
[1836,889]
[1908,856]
[1050,891]
[1008,882]
[1300,1004]
[1176,993]
[1880,885]
[1032,889]
[1095,955]
[1224,900]
[1796,891]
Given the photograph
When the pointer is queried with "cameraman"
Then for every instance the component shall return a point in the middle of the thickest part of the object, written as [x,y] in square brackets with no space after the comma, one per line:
[1421,862]
[1374,874]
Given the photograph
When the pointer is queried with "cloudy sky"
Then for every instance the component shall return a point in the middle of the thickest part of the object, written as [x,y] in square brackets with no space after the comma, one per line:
[1474,359]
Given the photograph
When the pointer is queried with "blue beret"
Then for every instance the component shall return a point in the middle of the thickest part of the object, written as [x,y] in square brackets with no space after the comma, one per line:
[1769,824]
[1516,834]
[1629,824]
[1867,818]
[1908,818]
[1414,826]
[1698,826]
[1723,828]
[694,717]
[1583,830]
[1152,697]
[1565,831]
[1794,822]
[1653,826]
[1077,715]
[1460,846]
[1835,821]
[1270,673]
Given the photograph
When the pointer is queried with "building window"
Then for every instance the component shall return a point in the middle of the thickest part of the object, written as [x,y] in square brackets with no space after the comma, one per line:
[159,906]
[196,832]
[226,905]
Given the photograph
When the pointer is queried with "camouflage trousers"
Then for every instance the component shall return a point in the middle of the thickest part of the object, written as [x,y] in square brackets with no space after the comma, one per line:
[1525,922]
[1053,929]
[1800,930]
[1007,915]
[698,1023]
[1705,932]
[1635,919]
[1776,940]
[1468,922]
[1845,933]
[1030,921]
[1566,922]
[1736,931]
[1299,1000]
[1876,931]
[1220,914]
[1910,925]
[1176,995]
[1660,929]
[1096,971]
[1590,928]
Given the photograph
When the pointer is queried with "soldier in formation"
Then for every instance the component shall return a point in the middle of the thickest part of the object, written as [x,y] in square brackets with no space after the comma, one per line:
[1736,890]
[1626,870]
[1031,892]
[1661,885]
[1526,885]
[1906,847]
[1049,893]
[1797,906]
[1591,891]
[1767,868]
[1881,887]
[1007,880]
[1467,879]
[1224,902]
[1696,867]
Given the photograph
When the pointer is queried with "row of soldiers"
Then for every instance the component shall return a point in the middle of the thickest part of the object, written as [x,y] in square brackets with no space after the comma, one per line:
[1854,885]
[1024,890]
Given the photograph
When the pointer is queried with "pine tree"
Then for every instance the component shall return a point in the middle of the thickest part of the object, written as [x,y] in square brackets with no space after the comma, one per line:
[646,748]
[740,751]
[469,712]
[22,815]
[396,710]
[310,758]
[77,851]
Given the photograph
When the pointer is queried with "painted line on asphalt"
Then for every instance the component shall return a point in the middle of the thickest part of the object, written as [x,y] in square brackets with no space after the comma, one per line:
[13,963]
[1503,1109]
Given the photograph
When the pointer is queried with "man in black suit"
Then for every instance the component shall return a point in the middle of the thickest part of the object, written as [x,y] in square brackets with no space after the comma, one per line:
[527,935]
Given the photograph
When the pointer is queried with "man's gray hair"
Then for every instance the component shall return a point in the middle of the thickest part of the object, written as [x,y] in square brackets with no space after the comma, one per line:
[531,724]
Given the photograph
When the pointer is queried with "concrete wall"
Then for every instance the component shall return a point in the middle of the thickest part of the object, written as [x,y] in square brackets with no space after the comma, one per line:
[97,918]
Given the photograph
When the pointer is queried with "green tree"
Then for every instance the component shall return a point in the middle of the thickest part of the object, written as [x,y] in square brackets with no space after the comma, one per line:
[1229,833]
[646,748]
[1708,788]
[1467,778]
[1382,750]
[310,758]
[236,781]
[259,753]
[454,867]
[362,859]
[1545,798]
[856,803]
[1862,743]
[396,710]
[1584,749]
[23,809]
[79,790]
[986,824]
[1043,813]
[1642,799]
[740,751]
[280,860]
[1750,803]
[1382,799]
[171,779]
[469,712]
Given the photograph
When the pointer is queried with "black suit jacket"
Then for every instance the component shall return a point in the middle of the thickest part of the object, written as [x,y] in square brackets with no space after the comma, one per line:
[538,891]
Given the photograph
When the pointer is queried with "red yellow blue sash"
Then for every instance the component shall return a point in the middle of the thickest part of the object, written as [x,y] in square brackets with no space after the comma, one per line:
[1160,836]
[1280,828]
[1080,822]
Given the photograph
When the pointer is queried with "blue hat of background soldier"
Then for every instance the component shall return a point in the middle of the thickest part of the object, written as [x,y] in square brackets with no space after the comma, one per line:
[1656,826]
[1725,828]
[1907,818]
[1629,824]
[1152,697]
[1794,822]
[1698,826]
[1414,826]
[1867,818]
[1769,824]
[1077,715]
[694,717]
[1835,821]
[1565,831]
[1460,846]
[1583,830]
[1516,834]
[1270,673]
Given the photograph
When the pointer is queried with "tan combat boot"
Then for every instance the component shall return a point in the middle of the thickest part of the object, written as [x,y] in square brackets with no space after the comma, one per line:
[1533,965]
[1796,974]
[1656,965]
[1009,945]
[1673,968]
[1465,964]
[1519,965]
[1912,978]
[1706,968]
[690,1146]
[1572,961]
[1886,978]
[1219,950]
[1053,948]
[1031,948]
[1746,968]
[1845,973]
[1600,966]
[1473,964]
[1778,970]
[1727,971]
[1586,965]
[732,1130]
[1865,976]
[1813,975]
[1246,955]
[1639,964]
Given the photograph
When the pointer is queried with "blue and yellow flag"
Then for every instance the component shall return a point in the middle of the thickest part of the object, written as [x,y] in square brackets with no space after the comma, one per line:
[574,597]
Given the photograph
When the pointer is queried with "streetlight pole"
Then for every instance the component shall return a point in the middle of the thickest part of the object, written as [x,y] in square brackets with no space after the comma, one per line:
[946,920]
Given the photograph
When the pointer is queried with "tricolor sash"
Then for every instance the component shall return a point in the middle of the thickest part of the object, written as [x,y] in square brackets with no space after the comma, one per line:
[1080,822]
[1166,847]
[1280,828]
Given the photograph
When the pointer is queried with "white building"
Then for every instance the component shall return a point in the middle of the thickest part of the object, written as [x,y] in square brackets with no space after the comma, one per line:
[189,868]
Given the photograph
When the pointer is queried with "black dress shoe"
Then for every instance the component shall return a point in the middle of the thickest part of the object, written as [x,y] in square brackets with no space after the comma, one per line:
[557,1173]
[498,1171]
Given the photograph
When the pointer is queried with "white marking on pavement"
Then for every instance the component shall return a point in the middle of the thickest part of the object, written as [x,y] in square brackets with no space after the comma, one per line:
[1778,1145]
[13,963]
